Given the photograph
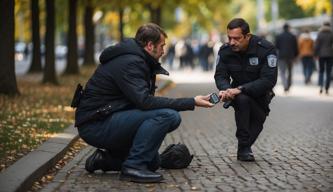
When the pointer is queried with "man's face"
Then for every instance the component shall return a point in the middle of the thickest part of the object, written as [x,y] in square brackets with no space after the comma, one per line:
[237,40]
[157,50]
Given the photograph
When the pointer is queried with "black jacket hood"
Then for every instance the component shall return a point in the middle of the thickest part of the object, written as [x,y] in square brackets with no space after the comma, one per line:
[128,46]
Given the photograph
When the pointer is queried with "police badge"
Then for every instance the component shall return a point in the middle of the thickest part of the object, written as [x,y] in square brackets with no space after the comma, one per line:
[253,61]
[271,60]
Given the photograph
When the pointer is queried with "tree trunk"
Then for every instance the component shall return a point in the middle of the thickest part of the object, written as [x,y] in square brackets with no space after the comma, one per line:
[89,39]
[36,64]
[8,83]
[121,23]
[158,17]
[49,69]
[72,63]
[155,15]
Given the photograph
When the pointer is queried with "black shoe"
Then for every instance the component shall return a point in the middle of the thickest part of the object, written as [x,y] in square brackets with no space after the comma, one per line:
[101,160]
[140,175]
[245,154]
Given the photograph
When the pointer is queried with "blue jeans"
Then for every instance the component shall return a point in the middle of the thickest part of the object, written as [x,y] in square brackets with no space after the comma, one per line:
[325,65]
[135,134]
[308,65]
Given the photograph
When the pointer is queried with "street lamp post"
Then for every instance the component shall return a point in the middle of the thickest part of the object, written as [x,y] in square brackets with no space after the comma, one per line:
[275,14]
[260,15]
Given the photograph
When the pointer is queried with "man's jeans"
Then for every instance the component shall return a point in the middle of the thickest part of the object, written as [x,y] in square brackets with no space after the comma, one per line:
[135,134]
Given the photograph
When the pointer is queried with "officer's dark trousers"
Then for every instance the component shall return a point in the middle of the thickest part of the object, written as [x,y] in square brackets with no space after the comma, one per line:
[250,118]
[134,135]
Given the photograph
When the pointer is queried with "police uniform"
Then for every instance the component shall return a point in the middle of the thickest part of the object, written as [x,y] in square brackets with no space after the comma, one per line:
[254,72]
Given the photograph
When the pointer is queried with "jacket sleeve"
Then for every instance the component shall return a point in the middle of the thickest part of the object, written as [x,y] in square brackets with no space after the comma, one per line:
[317,45]
[222,76]
[267,79]
[133,83]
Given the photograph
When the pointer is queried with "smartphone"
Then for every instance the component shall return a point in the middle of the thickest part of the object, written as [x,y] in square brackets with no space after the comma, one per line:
[214,98]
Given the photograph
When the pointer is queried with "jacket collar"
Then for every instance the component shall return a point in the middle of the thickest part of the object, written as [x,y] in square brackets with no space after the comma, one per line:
[252,48]
[154,64]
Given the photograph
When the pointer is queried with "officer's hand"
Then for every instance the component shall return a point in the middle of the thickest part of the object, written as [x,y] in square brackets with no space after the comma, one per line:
[203,101]
[232,92]
[222,95]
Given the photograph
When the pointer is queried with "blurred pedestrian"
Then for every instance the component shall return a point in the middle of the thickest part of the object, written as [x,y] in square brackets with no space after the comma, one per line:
[170,55]
[306,53]
[205,51]
[119,113]
[251,63]
[286,45]
[324,51]
[180,52]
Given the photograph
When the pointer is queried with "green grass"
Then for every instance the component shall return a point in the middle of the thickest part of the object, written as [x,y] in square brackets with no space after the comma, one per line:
[41,110]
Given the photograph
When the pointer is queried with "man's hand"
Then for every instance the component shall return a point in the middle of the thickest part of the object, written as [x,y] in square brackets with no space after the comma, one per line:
[229,94]
[203,101]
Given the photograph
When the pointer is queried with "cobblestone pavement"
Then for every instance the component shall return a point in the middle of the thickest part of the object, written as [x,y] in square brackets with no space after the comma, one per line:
[293,153]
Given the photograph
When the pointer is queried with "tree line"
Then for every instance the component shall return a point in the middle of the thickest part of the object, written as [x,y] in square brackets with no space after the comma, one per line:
[8,84]
[212,14]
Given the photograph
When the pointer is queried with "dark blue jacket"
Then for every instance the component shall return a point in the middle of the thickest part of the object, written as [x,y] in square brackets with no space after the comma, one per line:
[125,79]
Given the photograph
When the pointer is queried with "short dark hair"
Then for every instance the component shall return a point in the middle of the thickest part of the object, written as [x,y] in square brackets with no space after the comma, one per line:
[149,32]
[286,27]
[239,23]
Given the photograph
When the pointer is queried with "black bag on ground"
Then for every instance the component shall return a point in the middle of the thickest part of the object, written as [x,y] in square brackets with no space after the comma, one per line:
[176,156]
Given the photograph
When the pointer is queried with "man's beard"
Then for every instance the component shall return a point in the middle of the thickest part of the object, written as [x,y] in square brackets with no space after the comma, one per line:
[154,53]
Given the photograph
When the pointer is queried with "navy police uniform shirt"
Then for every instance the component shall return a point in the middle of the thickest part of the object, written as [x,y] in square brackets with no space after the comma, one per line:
[255,70]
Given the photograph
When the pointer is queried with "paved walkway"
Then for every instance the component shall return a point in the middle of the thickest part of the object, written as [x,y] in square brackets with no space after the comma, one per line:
[293,153]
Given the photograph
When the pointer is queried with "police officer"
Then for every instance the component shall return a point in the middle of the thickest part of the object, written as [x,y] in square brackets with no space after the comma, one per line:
[130,122]
[246,73]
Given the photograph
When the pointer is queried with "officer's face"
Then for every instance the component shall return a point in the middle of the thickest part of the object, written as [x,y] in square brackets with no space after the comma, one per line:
[156,50]
[237,40]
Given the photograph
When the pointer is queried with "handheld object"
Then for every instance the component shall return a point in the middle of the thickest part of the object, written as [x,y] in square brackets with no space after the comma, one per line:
[214,98]
[227,104]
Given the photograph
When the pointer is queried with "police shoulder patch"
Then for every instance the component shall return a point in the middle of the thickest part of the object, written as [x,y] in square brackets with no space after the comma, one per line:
[271,60]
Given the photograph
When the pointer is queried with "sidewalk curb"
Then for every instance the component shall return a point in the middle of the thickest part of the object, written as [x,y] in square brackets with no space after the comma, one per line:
[21,175]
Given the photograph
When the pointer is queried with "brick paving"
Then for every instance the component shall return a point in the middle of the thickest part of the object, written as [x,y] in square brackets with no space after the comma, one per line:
[293,153]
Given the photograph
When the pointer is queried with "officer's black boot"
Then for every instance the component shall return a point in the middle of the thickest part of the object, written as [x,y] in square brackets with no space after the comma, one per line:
[101,160]
[245,154]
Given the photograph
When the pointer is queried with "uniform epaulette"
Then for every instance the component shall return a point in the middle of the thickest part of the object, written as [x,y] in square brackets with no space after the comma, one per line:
[264,43]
